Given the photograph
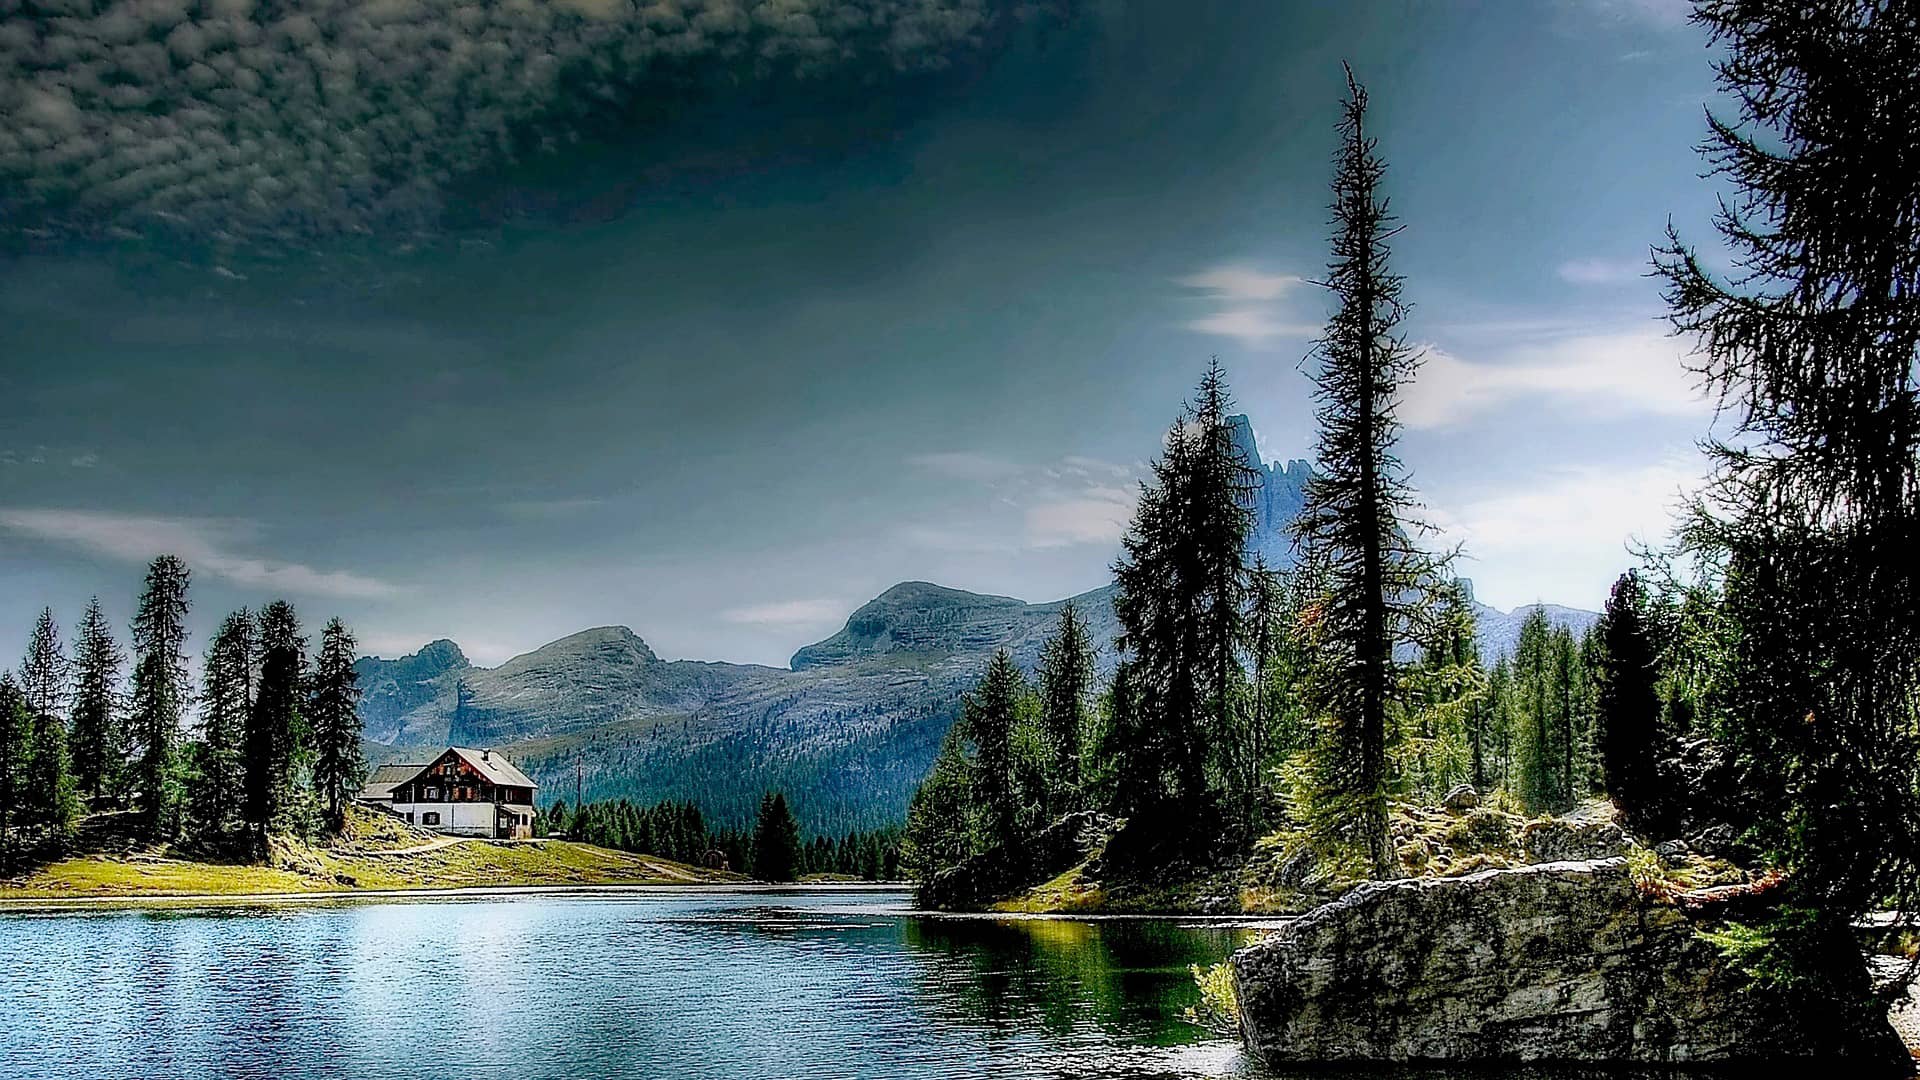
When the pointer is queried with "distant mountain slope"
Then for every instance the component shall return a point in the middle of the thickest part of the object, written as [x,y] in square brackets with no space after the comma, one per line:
[847,731]
[1499,631]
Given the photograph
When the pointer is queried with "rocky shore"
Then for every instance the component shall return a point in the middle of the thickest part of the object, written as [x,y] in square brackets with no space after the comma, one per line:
[1556,961]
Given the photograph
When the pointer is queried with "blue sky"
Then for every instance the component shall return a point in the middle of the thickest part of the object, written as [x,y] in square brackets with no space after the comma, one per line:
[727,368]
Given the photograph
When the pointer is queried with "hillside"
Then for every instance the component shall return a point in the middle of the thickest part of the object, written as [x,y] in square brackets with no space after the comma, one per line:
[377,852]
[848,729]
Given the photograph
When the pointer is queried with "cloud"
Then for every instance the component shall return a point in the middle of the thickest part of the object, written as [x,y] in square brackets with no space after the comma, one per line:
[232,119]
[1252,327]
[1238,281]
[207,545]
[1575,521]
[1661,14]
[542,509]
[788,613]
[1607,374]
[1243,298]
[1602,271]
[1075,500]
[966,465]
[1100,517]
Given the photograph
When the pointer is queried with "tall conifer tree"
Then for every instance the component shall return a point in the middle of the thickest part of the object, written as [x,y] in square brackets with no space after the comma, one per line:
[226,699]
[16,744]
[1630,743]
[777,851]
[99,744]
[45,672]
[276,734]
[1066,687]
[1182,582]
[333,714]
[48,802]
[991,713]
[1357,501]
[160,694]
[1815,511]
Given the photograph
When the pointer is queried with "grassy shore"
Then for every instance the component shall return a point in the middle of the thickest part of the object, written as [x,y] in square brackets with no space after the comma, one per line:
[375,853]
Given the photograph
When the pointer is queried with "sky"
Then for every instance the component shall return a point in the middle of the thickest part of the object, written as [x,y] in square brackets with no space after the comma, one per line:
[496,321]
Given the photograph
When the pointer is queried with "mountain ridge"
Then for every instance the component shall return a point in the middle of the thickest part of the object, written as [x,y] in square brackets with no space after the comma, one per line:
[848,728]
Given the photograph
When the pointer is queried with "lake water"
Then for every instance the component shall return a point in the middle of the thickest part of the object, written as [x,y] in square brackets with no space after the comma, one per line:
[571,987]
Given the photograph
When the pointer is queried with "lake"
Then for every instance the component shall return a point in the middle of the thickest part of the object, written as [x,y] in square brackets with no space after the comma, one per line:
[668,984]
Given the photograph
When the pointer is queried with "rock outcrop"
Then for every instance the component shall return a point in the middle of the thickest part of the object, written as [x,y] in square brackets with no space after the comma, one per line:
[1565,961]
[1570,840]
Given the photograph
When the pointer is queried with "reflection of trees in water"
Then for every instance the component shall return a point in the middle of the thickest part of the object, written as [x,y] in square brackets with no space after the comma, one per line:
[1127,976]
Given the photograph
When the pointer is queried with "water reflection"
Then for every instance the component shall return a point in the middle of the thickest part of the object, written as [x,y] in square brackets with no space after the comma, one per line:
[668,985]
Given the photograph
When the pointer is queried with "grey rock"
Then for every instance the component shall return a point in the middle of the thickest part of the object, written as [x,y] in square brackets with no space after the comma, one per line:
[1461,798]
[1552,962]
[1562,840]
[1672,849]
[1716,840]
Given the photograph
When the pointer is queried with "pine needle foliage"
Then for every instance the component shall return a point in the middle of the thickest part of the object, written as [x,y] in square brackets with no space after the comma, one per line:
[160,695]
[1813,513]
[1356,517]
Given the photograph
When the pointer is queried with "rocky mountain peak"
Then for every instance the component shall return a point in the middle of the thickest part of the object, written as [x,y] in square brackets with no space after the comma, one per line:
[609,642]
[916,616]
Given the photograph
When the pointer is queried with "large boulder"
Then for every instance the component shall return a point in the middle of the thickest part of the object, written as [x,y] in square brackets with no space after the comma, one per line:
[1564,961]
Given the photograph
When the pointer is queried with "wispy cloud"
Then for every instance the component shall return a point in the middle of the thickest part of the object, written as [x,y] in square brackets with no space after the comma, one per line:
[788,613]
[541,509]
[1602,271]
[1239,281]
[966,465]
[1099,517]
[1252,327]
[1576,515]
[1603,374]
[211,546]
[1075,500]
[74,459]
[1245,304]
[1663,13]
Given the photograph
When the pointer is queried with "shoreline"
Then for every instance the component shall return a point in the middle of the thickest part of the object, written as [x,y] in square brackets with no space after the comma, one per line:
[10,904]
[28,905]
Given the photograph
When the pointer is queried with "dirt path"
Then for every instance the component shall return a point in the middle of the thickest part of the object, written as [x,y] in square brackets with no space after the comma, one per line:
[434,844]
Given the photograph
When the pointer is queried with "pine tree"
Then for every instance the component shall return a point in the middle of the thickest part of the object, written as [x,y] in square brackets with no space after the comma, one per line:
[1537,759]
[1814,512]
[777,851]
[1357,503]
[99,726]
[1630,740]
[333,711]
[48,801]
[45,672]
[16,745]
[1567,687]
[1219,505]
[1181,602]
[276,737]
[160,694]
[226,699]
[1066,687]
[937,833]
[991,714]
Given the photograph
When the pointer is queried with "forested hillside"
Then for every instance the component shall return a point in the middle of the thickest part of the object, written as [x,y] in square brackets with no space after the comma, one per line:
[847,732]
